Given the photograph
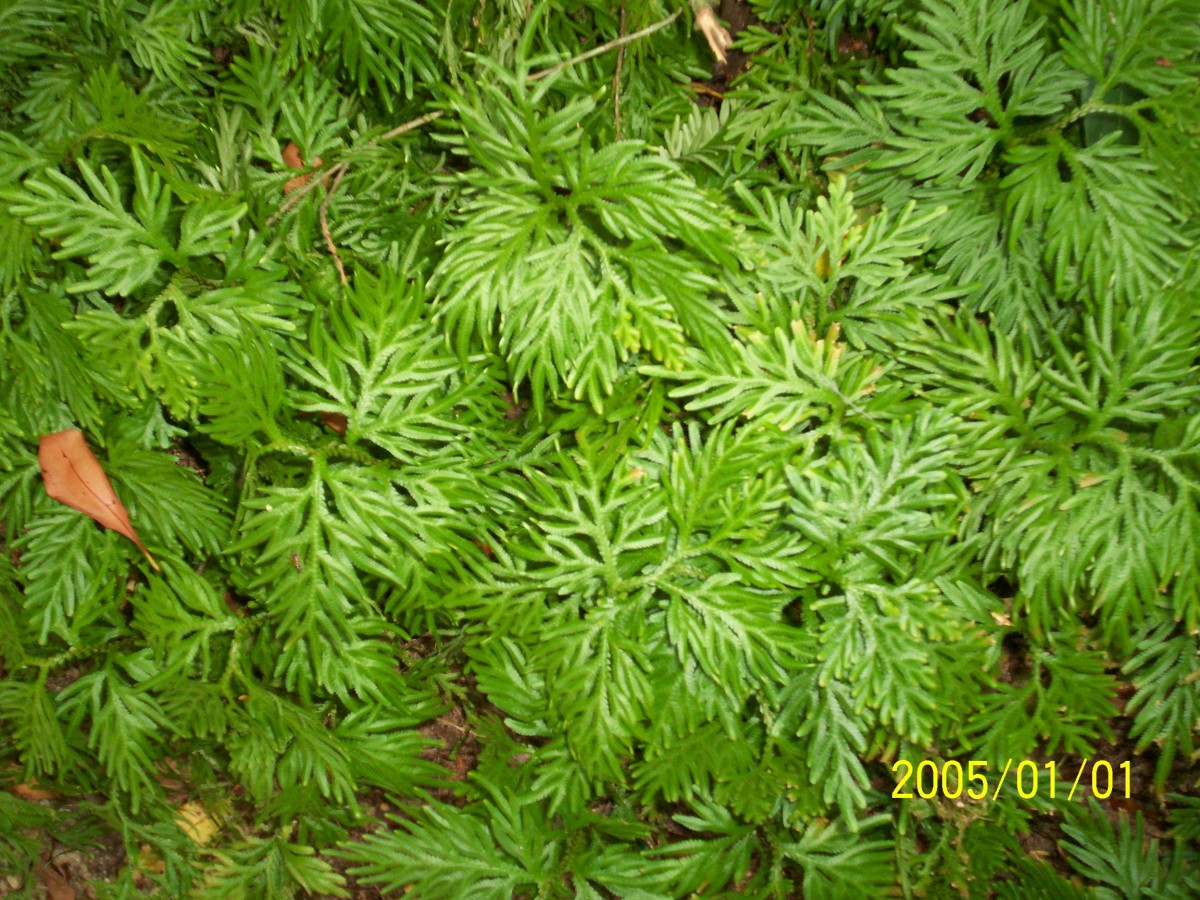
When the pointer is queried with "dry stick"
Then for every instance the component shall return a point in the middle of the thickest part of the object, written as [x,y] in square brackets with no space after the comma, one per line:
[337,260]
[617,78]
[604,48]
[407,126]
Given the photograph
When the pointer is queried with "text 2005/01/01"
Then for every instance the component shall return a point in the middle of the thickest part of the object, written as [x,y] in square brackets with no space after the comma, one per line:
[928,779]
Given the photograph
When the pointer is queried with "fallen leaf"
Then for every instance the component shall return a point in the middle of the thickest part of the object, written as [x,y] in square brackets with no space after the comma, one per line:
[57,887]
[335,420]
[195,820]
[32,793]
[291,156]
[74,476]
[1130,807]
[196,823]
[293,160]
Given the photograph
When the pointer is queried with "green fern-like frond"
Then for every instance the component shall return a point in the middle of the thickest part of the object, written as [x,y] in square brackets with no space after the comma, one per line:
[1167,701]
[1021,716]
[725,854]
[831,268]
[838,862]
[558,242]
[387,47]
[375,360]
[790,379]
[452,853]
[124,247]
[278,742]
[1122,857]
[271,868]
[1111,226]
[126,725]
[1144,34]
[61,599]
[32,720]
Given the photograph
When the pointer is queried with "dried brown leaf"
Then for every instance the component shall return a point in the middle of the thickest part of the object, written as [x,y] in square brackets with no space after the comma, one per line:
[74,476]
[293,160]
[197,822]
[32,792]
[291,156]
[335,420]
[57,887]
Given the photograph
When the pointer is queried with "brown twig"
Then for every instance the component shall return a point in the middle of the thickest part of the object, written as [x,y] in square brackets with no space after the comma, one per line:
[617,77]
[604,48]
[406,127]
[325,232]
[705,90]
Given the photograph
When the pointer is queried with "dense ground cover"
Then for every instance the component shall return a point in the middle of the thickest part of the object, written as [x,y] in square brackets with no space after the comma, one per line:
[436,458]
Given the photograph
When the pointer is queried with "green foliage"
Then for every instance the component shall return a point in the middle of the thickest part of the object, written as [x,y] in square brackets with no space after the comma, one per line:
[1121,858]
[1163,669]
[270,868]
[584,254]
[561,488]
[124,250]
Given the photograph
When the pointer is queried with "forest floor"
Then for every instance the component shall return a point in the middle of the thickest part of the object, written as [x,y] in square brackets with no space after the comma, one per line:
[73,873]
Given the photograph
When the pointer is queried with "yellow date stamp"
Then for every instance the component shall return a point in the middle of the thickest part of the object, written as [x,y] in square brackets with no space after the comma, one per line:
[978,780]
